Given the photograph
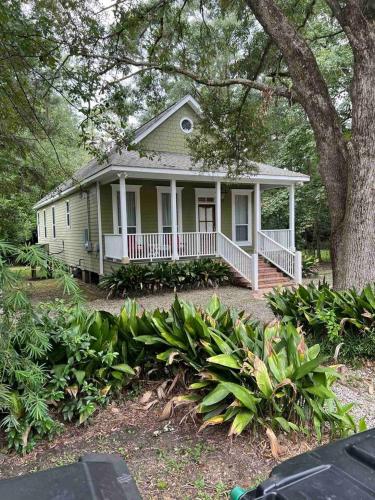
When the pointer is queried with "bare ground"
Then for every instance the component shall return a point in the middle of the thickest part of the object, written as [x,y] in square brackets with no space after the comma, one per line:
[170,459]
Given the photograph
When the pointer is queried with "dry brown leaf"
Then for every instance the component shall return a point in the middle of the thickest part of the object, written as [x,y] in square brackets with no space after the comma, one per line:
[160,392]
[150,404]
[167,411]
[212,421]
[275,447]
[370,387]
[146,397]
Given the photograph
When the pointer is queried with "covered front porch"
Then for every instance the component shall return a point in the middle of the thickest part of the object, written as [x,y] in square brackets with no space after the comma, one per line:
[190,218]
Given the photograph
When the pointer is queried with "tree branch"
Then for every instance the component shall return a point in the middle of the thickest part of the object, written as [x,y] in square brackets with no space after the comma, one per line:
[209,82]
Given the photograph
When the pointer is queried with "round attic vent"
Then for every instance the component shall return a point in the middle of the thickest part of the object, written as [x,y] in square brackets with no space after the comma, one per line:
[186,125]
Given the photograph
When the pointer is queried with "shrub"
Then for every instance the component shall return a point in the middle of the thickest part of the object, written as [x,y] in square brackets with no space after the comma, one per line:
[309,265]
[136,279]
[248,374]
[331,317]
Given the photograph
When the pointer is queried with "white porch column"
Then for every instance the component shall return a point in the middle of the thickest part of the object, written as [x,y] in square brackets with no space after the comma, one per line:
[100,231]
[218,215]
[174,219]
[257,215]
[292,243]
[124,219]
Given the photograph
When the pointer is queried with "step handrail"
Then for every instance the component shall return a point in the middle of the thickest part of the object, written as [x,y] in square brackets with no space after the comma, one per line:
[274,242]
[244,264]
[286,260]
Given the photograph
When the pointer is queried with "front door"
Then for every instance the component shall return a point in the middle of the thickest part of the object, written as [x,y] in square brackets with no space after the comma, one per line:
[206,218]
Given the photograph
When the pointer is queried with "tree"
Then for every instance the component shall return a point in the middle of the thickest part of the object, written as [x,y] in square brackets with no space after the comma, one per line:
[238,49]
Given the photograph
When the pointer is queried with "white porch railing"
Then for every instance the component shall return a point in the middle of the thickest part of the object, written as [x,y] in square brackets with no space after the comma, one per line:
[289,262]
[245,264]
[196,244]
[151,246]
[281,236]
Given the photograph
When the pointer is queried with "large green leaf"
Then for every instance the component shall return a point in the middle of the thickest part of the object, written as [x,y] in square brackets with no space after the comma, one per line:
[262,377]
[240,422]
[225,360]
[218,394]
[243,395]
[123,368]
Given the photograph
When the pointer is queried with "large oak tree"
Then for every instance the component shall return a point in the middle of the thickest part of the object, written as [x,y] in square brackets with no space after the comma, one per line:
[265,47]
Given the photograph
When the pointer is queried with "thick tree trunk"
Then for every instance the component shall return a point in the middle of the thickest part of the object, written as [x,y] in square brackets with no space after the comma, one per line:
[355,264]
[347,170]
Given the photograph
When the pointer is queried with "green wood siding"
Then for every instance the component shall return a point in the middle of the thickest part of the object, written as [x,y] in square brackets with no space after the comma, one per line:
[169,136]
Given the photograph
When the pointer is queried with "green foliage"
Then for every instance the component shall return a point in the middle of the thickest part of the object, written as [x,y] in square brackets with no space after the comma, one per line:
[331,317]
[247,374]
[309,265]
[134,279]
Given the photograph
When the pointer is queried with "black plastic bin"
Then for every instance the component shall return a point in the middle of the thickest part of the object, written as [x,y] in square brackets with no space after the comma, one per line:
[343,470]
[94,477]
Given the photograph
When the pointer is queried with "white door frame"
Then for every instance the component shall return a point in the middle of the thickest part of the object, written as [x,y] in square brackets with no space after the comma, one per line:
[206,193]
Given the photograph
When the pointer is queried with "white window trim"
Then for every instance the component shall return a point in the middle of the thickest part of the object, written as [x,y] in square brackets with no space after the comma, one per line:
[248,193]
[53,224]
[38,224]
[191,123]
[167,189]
[130,188]
[204,193]
[44,224]
[67,203]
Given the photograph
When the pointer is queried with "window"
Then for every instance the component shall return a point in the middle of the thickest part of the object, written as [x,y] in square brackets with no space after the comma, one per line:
[186,125]
[53,222]
[241,216]
[45,223]
[133,209]
[165,209]
[67,211]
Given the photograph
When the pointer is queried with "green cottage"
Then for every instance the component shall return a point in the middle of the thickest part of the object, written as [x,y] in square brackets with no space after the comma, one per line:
[172,209]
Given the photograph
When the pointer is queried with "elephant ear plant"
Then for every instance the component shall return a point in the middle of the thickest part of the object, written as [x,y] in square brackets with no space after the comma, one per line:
[250,375]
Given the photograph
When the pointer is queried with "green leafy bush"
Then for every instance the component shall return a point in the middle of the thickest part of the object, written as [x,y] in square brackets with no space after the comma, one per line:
[309,265]
[134,279]
[247,374]
[331,317]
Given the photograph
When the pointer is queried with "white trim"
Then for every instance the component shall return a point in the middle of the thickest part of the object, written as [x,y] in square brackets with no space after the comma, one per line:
[45,232]
[167,189]
[248,193]
[130,188]
[68,212]
[38,224]
[185,100]
[100,229]
[204,193]
[191,123]
[53,221]
[292,217]
[182,174]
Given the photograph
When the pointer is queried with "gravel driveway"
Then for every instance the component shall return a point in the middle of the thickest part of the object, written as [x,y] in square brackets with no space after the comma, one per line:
[239,298]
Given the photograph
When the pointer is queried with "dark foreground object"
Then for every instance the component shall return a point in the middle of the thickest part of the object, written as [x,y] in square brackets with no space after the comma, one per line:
[344,470]
[94,477]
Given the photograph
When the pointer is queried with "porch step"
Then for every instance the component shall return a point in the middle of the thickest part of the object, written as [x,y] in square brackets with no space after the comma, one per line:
[268,276]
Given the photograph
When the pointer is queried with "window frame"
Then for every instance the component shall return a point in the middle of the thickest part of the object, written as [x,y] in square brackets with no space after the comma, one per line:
[130,188]
[249,194]
[45,223]
[38,224]
[53,221]
[67,214]
[191,123]
[163,190]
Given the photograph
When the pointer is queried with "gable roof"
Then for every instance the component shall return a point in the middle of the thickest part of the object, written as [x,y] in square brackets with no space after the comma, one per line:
[162,162]
[157,120]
